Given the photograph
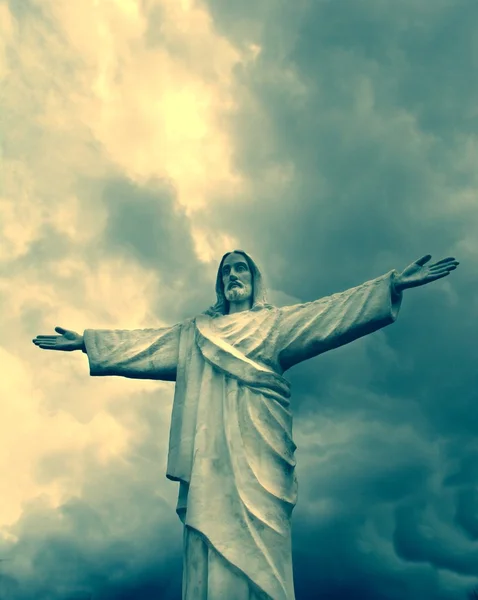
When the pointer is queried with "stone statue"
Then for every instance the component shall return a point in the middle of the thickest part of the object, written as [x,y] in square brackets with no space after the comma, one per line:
[231,447]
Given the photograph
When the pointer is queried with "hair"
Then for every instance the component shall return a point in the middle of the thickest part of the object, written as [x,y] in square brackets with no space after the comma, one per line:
[259,292]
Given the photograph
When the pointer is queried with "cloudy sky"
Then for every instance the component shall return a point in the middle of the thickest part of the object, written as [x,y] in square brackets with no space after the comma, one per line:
[333,140]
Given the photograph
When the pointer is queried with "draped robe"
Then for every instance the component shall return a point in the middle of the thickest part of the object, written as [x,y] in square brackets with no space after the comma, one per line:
[231,446]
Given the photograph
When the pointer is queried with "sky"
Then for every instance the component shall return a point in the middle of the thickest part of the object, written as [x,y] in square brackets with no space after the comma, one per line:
[333,140]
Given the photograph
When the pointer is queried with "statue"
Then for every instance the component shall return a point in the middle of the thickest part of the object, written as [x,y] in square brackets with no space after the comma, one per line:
[231,447]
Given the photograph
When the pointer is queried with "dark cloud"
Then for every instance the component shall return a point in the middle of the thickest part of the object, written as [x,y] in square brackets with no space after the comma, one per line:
[145,222]
[418,543]
[342,566]
[466,516]
[368,178]
[155,18]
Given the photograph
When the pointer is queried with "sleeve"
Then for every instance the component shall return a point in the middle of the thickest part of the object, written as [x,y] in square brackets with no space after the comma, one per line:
[137,354]
[307,330]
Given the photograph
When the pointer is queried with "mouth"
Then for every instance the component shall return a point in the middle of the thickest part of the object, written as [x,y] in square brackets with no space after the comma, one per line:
[235,284]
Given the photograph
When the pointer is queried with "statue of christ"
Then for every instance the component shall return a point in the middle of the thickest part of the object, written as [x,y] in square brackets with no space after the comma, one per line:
[231,446]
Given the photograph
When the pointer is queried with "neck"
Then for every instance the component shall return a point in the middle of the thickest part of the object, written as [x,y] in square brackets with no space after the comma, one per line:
[235,307]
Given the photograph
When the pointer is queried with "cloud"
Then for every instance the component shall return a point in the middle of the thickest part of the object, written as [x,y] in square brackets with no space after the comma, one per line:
[100,113]
[334,142]
[118,533]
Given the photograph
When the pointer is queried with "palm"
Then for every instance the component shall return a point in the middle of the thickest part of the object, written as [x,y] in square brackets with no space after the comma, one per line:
[67,340]
[419,273]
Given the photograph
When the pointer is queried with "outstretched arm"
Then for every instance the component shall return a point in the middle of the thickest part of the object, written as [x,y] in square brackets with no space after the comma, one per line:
[137,354]
[307,330]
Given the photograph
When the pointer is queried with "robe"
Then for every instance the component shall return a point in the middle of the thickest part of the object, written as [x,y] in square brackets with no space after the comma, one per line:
[231,446]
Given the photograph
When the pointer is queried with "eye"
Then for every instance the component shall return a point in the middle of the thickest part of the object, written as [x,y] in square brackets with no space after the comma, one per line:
[241,268]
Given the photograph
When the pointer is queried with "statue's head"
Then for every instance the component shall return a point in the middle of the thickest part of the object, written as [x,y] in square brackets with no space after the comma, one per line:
[238,280]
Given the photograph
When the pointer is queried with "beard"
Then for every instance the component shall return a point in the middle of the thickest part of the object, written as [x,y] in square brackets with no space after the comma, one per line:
[237,294]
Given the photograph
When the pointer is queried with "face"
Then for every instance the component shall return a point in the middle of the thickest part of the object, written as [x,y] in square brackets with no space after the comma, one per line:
[237,278]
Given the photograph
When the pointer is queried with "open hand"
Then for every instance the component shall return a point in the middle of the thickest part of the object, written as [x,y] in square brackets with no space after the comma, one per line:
[66,341]
[419,273]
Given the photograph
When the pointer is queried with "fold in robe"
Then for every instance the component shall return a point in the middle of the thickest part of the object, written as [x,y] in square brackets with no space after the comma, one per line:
[231,446]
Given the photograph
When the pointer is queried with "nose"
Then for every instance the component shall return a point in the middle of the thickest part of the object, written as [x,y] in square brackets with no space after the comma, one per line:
[232,277]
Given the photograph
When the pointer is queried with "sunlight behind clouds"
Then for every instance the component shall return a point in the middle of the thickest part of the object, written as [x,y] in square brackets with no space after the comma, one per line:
[109,101]
[210,249]
[95,89]
[7,25]
[155,108]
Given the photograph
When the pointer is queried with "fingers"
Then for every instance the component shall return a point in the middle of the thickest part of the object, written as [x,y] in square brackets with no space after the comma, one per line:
[443,267]
[447,270]
[444,261]
[47,347]
[46,341]
[59,330]
[424,259]
[45,344]
[436,276]
[450,260]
